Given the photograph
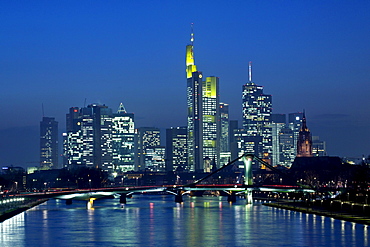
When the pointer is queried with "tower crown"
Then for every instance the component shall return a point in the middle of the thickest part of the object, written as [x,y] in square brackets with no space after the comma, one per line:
[190,66]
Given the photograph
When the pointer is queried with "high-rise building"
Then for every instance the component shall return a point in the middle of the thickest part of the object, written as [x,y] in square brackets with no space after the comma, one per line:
[211,120]
[304,144]
[286,147]
[224,119]
[233,128]
[295,123]
[97,137]
[318,146]
[176,149]
[123,136]
[48,143]
[278,121]
[203,115]
[257,108]
[155,159]
[148,137]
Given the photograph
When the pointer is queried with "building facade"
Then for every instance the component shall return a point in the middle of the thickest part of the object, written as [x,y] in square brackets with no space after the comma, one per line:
[176,149]
[98,138]
[257,108]
[203,116]
[48,143]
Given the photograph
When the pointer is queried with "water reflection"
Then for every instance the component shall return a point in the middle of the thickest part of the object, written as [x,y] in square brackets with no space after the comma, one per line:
[158,220]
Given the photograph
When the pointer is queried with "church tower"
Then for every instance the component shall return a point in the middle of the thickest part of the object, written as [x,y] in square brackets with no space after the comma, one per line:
[304,143]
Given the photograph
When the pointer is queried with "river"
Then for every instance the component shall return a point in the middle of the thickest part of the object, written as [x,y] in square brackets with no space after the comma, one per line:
[156,220]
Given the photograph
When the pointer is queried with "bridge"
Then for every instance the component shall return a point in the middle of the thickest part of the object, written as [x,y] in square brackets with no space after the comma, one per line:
[232,190]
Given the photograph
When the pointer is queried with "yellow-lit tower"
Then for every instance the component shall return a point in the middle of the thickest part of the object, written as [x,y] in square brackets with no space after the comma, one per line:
[203,116]
[194,105]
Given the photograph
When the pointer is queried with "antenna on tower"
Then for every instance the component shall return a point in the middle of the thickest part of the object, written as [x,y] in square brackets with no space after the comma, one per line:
[250,71]
[85,103]
[42,106]
[192,34]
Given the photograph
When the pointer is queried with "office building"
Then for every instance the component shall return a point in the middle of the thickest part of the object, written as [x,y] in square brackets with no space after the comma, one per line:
[176,149]
[48,143]
[98,138]
[318,146]
[257,108]
[203,120]
[124,141]
[278,121]
[148,137]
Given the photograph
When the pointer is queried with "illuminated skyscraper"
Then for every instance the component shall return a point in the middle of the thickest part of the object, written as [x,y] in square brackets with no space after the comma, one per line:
[98,138]
[257,108]
[176,149]
[278,121]
[48,143]
[203,115]
[224,119]
[148,138]
[304,144]
[123,136]
[211,120]
[295,123]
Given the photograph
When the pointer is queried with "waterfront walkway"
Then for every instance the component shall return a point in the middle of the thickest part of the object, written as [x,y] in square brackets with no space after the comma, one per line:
[10,207]
[348,211]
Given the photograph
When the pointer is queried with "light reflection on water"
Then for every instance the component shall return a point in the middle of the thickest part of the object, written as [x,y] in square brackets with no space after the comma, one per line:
[149,220]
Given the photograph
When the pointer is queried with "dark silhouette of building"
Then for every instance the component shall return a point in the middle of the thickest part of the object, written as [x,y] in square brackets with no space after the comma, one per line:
[48,143]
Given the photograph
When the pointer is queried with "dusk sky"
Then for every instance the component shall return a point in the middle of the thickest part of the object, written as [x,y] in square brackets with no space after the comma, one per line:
[312,55]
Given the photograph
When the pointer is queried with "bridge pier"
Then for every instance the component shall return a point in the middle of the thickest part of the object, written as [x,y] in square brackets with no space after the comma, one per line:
[122,198]
[248,177]
[231,197]
[68,201]
[90,203]
[248,196]
[178,197]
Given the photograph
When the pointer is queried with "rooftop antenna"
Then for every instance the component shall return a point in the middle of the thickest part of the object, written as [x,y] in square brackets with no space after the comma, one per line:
[192,34]
[85,103]
[42,106]
[250,71]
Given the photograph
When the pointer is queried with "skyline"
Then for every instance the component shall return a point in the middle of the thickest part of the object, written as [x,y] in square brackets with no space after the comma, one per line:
[308,55]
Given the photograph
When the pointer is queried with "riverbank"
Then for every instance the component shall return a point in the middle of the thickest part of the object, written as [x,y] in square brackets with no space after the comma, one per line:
[340,215]
[19,209]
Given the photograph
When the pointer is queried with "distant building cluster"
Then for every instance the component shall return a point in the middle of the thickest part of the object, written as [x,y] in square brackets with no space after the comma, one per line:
[98,137]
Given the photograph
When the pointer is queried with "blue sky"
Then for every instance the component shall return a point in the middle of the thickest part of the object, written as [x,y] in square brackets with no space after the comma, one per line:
[311,55]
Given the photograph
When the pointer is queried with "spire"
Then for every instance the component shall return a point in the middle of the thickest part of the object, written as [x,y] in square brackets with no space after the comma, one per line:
[304,123]
[250,71]
[192,34]
[190,66]
[121,109]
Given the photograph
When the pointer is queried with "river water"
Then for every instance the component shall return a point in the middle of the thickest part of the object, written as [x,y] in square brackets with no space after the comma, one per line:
[156,220]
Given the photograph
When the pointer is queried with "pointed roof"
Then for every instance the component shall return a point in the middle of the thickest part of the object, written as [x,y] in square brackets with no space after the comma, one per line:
[304,123]
[121,108]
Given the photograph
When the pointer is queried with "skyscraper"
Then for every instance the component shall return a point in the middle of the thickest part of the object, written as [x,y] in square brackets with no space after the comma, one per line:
[211,120]
[257,108]
[295,123]
[278,121]
[48,143]
[97,137]
[304,144]
[148,138]
[123,135]
[203,115]
[224,119]
[176,149]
